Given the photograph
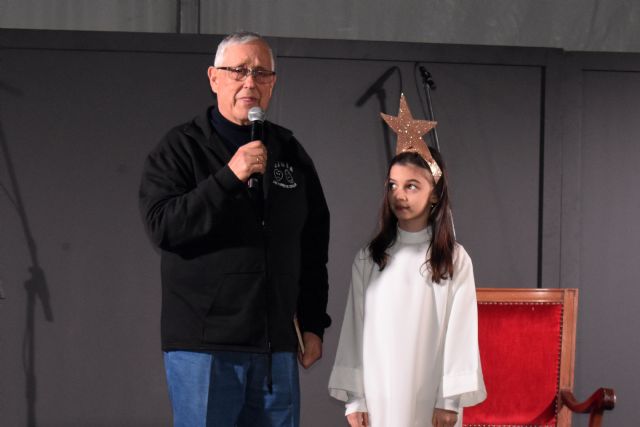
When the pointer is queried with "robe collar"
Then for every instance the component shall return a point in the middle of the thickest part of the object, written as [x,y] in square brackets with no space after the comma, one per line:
[414,237]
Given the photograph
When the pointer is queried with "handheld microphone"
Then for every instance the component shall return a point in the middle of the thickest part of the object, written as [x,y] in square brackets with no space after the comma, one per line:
[256,117]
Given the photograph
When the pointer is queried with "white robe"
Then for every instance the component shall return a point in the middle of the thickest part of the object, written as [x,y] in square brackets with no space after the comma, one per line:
[408,345]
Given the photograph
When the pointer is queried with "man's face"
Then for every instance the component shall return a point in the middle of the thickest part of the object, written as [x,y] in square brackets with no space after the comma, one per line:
[235,98]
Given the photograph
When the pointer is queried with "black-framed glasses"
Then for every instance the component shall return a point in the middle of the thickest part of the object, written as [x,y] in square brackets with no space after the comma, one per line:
[240,74]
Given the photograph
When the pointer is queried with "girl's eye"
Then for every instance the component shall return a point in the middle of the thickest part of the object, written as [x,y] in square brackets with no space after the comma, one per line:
[392,186]
[412,187]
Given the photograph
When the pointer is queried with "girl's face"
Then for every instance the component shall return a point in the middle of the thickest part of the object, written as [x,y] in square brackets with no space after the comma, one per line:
[410,196]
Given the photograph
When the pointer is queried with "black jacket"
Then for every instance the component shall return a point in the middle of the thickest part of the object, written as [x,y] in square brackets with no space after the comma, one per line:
[233,277]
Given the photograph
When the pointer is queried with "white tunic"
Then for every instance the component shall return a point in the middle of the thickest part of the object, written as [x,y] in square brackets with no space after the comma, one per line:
[407,344]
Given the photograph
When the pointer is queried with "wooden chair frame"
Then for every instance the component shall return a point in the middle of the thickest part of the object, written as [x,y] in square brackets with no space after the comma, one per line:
[603,398]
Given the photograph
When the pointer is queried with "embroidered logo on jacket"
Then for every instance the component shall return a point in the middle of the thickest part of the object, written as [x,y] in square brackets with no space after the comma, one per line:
[283,175]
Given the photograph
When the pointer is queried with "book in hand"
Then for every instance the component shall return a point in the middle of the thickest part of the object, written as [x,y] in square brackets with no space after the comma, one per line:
[296,324]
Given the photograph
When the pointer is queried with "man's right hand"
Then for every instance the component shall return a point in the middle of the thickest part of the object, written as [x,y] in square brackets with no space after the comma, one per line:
[249,159]
[358,419]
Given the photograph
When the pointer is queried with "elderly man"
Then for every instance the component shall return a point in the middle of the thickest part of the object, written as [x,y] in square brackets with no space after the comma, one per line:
[241,264]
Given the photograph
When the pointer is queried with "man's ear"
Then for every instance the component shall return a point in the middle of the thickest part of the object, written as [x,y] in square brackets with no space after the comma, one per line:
[212,73]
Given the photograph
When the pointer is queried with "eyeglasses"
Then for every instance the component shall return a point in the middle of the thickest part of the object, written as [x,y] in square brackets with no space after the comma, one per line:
[240,74]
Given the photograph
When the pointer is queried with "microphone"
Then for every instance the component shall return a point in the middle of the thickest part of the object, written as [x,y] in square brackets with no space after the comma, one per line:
[426,78]
[256,117]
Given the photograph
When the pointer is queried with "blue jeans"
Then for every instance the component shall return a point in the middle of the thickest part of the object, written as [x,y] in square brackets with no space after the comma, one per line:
[229,389]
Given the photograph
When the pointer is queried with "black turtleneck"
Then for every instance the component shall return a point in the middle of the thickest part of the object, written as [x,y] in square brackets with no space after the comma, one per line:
[232,135]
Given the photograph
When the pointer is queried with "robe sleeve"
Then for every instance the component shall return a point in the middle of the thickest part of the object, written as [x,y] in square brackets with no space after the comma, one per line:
[449,403]
[355,404]
[346,380]
[462,371]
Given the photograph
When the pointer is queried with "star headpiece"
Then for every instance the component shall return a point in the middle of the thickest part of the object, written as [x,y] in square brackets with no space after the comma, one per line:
[410,131]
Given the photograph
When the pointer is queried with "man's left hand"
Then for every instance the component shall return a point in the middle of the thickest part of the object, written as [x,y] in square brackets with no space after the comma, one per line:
[312,349]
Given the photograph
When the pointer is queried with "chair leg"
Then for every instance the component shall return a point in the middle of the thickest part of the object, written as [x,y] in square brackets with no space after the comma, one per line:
[595,418]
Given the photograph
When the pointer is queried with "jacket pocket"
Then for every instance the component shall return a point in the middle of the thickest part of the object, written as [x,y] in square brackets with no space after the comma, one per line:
[237,316]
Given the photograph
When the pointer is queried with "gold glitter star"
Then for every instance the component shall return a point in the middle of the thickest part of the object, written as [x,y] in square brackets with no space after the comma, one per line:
[410,131]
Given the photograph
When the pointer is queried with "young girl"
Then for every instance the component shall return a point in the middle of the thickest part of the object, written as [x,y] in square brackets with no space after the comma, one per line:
[408,353]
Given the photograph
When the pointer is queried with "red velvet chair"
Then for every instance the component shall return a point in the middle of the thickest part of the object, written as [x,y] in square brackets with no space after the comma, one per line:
[527,347]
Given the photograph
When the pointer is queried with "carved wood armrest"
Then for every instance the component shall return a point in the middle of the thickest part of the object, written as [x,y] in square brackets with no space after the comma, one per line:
[603,399]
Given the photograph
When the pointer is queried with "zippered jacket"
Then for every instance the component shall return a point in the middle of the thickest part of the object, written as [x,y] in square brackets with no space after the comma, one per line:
[235,272]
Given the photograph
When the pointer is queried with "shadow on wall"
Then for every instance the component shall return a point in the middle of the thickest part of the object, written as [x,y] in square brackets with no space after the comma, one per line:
[36,286]
[377,89]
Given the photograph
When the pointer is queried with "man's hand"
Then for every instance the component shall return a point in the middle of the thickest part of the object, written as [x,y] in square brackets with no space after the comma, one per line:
[249,159]
[312,349]
[358,419]
[444,418]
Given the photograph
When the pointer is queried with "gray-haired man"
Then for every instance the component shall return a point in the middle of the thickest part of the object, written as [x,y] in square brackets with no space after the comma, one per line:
[238,263]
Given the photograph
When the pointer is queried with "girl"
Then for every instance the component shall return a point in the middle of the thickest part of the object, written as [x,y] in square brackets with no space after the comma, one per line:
[408,352]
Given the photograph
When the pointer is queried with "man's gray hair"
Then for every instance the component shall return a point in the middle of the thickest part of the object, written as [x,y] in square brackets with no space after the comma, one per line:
[240,37]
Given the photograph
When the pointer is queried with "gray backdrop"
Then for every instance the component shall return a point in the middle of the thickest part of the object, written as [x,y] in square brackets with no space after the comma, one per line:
[590,25]
[540,149]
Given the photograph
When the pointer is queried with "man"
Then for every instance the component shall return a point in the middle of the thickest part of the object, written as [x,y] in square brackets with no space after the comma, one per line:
[238,263]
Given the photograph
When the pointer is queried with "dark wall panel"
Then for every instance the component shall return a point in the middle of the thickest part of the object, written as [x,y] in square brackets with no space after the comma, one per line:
[608,340]
[491,140]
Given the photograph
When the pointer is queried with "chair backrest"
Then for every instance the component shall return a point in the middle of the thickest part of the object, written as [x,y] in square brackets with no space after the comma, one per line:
[527,349]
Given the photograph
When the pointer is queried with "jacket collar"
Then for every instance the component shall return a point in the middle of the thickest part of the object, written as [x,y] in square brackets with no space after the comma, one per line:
[201,129]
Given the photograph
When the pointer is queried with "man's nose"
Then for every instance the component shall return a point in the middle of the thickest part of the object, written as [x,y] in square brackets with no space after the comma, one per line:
[250,81]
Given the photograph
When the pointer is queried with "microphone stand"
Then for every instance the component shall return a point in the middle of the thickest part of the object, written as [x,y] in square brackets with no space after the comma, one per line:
[428,85]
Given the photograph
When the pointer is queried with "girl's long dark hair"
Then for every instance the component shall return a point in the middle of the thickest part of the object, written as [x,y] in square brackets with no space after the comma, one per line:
[440,256]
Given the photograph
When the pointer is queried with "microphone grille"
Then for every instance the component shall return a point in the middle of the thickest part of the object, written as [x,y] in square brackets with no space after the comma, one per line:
[256,114]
